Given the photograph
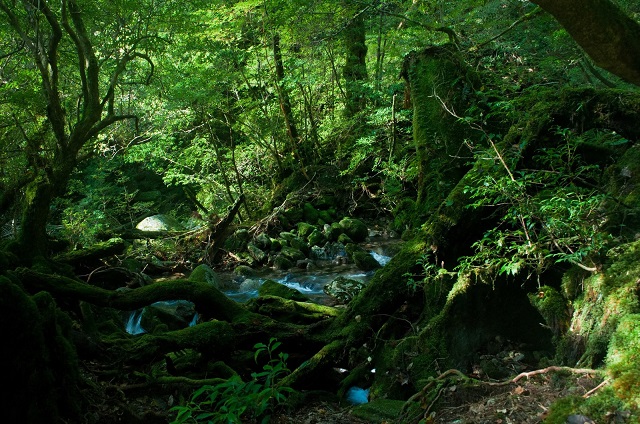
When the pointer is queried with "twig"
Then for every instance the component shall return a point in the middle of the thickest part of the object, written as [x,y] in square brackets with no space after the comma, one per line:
[426,388]
[524,18]
[595,389]
[554,369]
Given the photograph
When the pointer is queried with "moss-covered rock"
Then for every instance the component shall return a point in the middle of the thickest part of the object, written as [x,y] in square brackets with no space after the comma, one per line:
[204,274]
[379,411]
[333,231]
[355,229]
[256,253]
[344,239]
[273,288]
[237,242]
[324,217]
[281,262]
[245,271]
[263,241]
[305,229]
[343,289]
[292,254]
[365,261]
[316,238]
[623,361]
[310,213]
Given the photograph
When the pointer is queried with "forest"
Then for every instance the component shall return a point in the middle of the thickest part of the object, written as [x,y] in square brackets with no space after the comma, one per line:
[339,211]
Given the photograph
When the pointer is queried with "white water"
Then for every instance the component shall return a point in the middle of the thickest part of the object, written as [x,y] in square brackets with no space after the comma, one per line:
[133,324]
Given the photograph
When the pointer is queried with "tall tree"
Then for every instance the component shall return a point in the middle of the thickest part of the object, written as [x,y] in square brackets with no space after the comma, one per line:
[355,67]
[80,101]
[605,32]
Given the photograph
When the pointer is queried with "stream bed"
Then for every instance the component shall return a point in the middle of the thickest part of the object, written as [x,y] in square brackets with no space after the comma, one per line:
[309,281]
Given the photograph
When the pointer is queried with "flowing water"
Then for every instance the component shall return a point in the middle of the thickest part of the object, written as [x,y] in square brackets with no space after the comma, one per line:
[309,282]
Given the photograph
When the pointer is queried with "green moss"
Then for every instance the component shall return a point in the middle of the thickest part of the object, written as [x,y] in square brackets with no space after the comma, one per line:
[39,358]
[562,408]
[553,307]
[204,274]
[623,360]
[273,288]
[437,76]
[305,229]
[379,410]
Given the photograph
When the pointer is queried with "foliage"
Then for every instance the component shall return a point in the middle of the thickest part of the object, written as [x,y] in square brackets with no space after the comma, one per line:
[234,400]
[431,271]
[552,213]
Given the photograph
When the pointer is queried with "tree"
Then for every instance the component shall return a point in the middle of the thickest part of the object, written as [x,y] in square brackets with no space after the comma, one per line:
[80,101]
[605,32]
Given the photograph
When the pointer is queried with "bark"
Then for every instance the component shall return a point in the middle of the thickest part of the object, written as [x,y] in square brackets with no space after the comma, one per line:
[285,102]
[355,67]
[606,33]
[42,38]
[209,301]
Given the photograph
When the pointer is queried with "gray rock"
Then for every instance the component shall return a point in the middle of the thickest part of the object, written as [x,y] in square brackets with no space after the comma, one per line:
[159,223]
[343,289]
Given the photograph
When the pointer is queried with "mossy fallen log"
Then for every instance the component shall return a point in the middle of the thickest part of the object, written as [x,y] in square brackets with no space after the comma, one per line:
[93,254]
[210,302]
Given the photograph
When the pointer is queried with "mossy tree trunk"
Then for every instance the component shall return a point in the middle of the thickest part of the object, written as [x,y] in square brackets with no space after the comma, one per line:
[441,87]
[297,150]
[608,35]
[63,32]
[355,67]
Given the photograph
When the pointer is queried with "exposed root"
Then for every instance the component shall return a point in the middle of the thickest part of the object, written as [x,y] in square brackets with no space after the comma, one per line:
[453,372]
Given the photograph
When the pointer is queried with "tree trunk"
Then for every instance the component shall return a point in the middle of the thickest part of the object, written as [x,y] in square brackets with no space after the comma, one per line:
[285,103]
[606,33]
[355,67]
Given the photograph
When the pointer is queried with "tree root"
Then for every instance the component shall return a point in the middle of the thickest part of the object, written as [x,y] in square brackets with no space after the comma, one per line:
[428,387]
[169,382]
[453,372]
[545,371]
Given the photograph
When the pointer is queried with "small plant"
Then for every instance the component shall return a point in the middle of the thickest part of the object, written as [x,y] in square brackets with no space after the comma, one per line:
[432,271]
[234,401]
[552,214]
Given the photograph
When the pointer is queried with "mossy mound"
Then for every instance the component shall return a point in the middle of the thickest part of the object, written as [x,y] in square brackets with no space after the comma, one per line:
[273,288]
[379,410]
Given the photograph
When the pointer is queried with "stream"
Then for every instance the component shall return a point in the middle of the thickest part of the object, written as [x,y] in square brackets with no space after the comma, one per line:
[309,282]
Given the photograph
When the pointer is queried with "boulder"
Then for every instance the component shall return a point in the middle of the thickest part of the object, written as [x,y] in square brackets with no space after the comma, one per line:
[237,242]
[344,239]
[355,229]
[273,288]
[263,241]
[365,261]
[333,231]
[159,223]
[305,229]
[281,262]
[256,253]
[292,254]
[316,238]
[343,289]
[245,271]
[204,274]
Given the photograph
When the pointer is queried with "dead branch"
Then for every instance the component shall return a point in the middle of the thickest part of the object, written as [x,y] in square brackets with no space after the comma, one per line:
[553,369]
[595,389]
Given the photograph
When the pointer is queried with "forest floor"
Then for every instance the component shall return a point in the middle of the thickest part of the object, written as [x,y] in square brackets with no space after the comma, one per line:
[524,402]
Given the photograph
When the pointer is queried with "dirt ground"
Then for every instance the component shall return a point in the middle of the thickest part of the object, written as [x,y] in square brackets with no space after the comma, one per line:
[525,402]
